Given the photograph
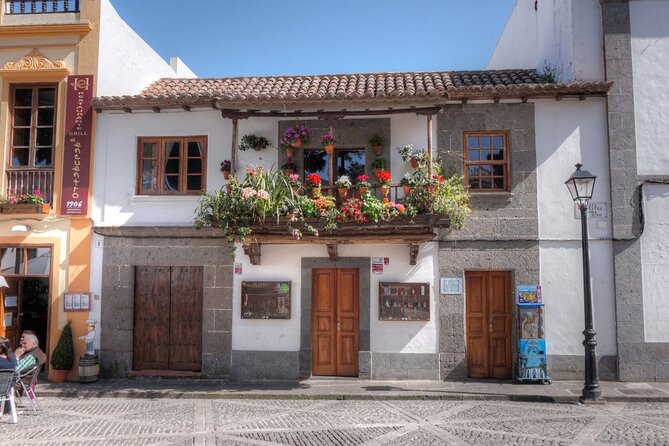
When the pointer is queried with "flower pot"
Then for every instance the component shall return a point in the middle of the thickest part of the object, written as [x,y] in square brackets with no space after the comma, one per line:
[226,174]
[315,192]
[414,164]
[288,172]
[329,149]
[257,148]
[25,208]
[290,152]
[58,376]
[296,144]
[343,192]
[384,191]
[362,191]
[406,189]
[377,150]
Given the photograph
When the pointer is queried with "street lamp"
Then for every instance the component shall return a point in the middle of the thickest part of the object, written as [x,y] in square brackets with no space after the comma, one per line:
[581,183]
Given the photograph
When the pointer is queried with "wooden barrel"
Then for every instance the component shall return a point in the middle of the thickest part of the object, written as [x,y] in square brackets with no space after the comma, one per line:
[89,369]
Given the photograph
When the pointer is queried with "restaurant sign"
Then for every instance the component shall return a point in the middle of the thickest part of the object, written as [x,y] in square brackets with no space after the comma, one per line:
[78,127]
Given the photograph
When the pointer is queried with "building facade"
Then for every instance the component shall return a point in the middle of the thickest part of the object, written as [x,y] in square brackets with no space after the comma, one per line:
[54,57]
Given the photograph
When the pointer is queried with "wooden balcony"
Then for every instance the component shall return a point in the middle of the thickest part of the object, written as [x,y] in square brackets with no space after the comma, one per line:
[22,7]
[25,182]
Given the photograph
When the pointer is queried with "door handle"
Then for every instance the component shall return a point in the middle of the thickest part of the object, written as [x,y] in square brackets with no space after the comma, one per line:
[337,324]
[490,325]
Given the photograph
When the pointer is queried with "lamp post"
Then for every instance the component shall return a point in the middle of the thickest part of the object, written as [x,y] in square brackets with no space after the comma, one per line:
[581,183]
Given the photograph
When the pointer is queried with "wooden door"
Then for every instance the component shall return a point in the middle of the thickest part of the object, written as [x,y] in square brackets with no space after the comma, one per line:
[488,324]
[168,318]
[335,322]
[186,318]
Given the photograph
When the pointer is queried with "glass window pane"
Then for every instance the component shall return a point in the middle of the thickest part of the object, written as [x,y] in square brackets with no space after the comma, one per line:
[350,163]
[498,183]
[498,142]
[474,183]
[498,171]
[11,261]
[498,154]
[172,149]
[194,166]
[23,97]
[20,156]
[45,136]
[485,142]
[43,156]
[473,142]
[473,171]
[46,96]
[22,117]
[45,116]
[194,149]
[486,155]
[194,182]
[149,150]
[486,183]
[317,161]
[172,166]
[172,183]
[21,137]
[486,171]
[149,176]
[39,260]
[473,155]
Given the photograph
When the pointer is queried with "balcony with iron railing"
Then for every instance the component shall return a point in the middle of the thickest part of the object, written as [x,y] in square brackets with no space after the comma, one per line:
[26,182]
[39,12]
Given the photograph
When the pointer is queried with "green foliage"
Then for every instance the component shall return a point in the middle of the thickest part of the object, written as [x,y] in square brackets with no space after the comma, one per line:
[62,357]
[380,163]
[375,140]
[550,73]
[252,141]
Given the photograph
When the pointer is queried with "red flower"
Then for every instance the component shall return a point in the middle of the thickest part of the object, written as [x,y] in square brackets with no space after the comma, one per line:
[313,180]
[383,177]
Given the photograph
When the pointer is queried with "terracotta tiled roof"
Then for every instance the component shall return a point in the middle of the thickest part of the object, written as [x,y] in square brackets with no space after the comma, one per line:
[405,87]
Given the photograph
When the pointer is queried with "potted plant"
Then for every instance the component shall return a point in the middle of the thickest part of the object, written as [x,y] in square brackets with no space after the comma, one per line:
[296,137]
[254,142]
[383,179]
[378,165]
[294,183]
[362,182]
[226,167]
[289,168]
[62,358]
[313,183]
[25,204]
[328,143]
[376,143]
[343,184]
[408,154]
[407,182]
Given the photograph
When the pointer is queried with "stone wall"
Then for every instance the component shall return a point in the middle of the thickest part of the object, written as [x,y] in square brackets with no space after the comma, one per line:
[122,254]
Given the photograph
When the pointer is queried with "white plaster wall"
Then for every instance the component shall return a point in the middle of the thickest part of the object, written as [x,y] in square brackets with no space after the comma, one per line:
[655,262]
[114,199]
[650,52]
[268,158]
[562,291]
[274,335]
[569,132]
[517,46]
[126,63]
[588,40]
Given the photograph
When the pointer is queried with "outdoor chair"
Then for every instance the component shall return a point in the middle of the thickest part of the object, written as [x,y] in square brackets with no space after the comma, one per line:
[7,379]
[25,385]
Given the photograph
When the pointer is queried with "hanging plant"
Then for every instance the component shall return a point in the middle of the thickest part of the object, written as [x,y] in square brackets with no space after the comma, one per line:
[328,143]
[252,141]
[296,136]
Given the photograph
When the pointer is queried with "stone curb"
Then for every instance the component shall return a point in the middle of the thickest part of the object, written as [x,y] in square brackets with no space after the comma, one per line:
[294,396]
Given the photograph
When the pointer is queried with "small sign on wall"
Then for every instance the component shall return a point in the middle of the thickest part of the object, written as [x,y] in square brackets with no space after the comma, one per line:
[377,265]
[450,285]
[595,210]
[77,301]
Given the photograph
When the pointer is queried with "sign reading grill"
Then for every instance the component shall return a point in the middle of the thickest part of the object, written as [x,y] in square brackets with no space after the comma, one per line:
[77,145]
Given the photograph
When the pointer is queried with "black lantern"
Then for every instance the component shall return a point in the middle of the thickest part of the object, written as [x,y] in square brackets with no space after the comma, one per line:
[581,183]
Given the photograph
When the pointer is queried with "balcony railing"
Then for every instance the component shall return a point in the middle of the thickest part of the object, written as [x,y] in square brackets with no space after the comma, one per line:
[24,182]
[16,7]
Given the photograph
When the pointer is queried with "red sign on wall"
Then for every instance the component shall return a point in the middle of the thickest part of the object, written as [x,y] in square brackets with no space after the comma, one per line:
[76,162]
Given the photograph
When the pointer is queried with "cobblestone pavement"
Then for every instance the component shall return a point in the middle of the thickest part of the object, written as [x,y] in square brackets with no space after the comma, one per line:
[118,421]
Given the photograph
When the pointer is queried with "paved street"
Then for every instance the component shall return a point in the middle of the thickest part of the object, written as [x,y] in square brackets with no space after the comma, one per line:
[126,421]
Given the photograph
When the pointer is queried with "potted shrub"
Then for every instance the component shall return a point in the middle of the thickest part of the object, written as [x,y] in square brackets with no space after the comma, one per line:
[378,165]
[254,142]
[289,168]
[25,204]
[362,182]
[313,183]
[343,184]
[407,182]
[62,358]
[383,179]
[328,143]
[294,183]
[226,167]
[296,137]
[376,143]
[412,156]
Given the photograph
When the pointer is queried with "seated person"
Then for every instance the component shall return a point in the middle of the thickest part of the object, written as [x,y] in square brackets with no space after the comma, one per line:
[7,358]
[29,353]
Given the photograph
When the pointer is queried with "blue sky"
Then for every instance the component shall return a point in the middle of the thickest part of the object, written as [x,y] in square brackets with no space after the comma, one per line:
[219,38]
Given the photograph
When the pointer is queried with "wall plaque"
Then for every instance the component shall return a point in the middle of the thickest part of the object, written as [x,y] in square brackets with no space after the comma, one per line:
[265,300]
[404,301]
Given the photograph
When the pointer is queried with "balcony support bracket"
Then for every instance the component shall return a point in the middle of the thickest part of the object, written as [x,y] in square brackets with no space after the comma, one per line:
[413,253]
[253,251]
[332,252]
